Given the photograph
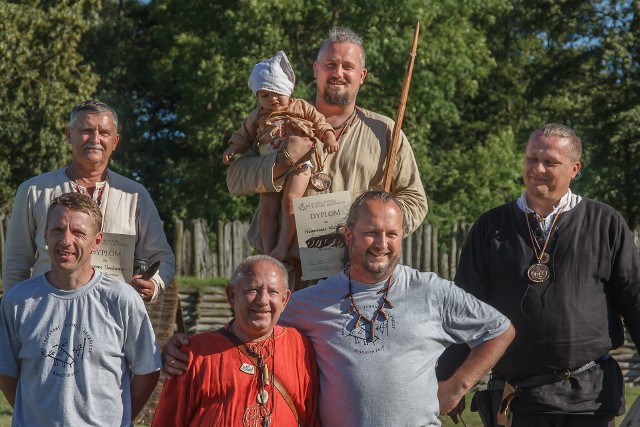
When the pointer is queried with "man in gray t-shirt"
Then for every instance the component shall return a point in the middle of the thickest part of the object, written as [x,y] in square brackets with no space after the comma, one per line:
[77,346]
[387,377]
[378,329]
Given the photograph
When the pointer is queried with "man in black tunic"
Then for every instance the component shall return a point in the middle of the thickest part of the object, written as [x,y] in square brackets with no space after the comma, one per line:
[565,270]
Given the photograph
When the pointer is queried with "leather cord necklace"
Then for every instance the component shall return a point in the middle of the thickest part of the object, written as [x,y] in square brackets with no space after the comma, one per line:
[321,180]
[346,124]
[379,311]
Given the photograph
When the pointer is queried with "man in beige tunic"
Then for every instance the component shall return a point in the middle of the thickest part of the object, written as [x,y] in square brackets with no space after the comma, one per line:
[126,205]
[363,135]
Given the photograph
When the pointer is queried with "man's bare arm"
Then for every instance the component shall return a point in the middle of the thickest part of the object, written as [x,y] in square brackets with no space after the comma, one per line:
[9,385]
[141,388]
[480,360]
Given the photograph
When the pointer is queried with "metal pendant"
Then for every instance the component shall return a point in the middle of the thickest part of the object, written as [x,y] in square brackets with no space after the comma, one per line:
[248,369]
[538,273]
[263,397]
[320,181]
[544,258]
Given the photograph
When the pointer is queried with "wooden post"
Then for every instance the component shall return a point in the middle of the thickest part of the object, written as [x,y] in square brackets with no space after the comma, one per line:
[453,251]
[444,266]
[207,257]
[187,254]
[197,247]
[221,252]
[228,245]
[434,250]
[462,235]
[178,249]
[237,249]
[248,249]
[408,249]
[426,253]
[417,248]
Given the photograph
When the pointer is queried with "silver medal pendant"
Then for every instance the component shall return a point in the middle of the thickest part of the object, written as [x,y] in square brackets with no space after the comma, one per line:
[263,397]
[320,181]
[248,369]
[538,273]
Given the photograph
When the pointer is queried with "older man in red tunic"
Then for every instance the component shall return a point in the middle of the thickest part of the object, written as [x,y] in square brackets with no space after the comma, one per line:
[251,372]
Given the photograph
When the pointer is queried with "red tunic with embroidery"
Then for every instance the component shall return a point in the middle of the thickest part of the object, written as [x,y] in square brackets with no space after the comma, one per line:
[215,392]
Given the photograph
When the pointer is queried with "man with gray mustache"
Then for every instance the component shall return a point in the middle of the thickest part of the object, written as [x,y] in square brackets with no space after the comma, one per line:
[126,205]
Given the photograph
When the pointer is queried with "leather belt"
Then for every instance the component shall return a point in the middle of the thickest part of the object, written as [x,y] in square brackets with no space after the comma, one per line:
[536,380]
[510,387]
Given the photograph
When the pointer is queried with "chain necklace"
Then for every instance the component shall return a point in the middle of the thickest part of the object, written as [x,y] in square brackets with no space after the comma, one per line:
[379,311]
[539,272]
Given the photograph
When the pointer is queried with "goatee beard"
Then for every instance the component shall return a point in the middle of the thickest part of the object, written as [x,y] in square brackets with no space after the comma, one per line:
[382,272]
[336,98]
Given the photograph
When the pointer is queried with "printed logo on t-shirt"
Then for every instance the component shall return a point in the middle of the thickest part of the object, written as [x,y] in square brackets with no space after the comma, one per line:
[64,347]
[360,334]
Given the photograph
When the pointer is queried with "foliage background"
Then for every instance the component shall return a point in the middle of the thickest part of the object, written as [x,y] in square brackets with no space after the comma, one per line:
[487,73]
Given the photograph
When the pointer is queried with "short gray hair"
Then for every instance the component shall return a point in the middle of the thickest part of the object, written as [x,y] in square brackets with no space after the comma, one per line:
[245,267]
[561,131]
[379,195]
[92,107]
[343,35]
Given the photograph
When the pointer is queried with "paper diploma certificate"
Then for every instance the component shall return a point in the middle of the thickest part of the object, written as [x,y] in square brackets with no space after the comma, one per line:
[114,257]
[319,223]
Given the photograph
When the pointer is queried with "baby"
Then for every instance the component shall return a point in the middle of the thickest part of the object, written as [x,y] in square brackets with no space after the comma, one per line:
[267,127]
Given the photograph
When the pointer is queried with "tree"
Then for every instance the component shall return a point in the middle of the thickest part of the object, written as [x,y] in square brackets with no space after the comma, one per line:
[487,74]
[191,92]
[41,76]
[613,139]
[543,71]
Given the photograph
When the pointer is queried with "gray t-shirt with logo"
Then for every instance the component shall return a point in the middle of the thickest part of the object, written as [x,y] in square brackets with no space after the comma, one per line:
[390,380]
[74,352]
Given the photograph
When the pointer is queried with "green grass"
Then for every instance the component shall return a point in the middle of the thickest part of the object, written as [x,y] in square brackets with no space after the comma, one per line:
[5,412]
[470,418]
[190,281]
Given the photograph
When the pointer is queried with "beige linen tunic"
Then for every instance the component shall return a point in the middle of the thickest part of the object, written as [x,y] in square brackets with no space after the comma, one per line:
[356,167]
[127,209]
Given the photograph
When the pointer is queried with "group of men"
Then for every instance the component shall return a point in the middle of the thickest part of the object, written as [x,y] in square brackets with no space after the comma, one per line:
[556,271]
